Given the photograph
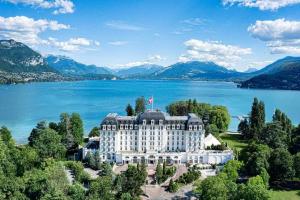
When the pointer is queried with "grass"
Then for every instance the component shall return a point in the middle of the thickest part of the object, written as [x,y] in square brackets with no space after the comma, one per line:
[285,195]
[234,141]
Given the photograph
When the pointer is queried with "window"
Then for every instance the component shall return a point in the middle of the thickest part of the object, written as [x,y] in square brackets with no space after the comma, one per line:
[144,122]
[104,127]
[152,122]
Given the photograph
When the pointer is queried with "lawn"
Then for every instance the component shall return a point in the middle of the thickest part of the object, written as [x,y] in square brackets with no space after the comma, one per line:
[285,195]
[234,141]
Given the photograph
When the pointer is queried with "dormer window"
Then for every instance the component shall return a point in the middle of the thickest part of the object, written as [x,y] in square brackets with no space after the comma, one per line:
[190,127]
[195,127]
[200,127]
[136,127]
[161,122]
[168,126]
[152,122]
[126,126]
[104,127]
[144,122]
[121,126]
[113,127]
[178,126]
[173,126]
[108,127]
[182,126]
[131,126]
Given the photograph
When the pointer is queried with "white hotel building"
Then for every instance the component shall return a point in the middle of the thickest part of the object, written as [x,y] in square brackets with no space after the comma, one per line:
[154,136]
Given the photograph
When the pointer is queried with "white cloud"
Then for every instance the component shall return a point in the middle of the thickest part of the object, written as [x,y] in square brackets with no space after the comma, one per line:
[193,21]
[73,44]
[281,36]
[213,51]
[118,43]
[120,25]
[59,6]
[152,59]
[262,4]
[26,29]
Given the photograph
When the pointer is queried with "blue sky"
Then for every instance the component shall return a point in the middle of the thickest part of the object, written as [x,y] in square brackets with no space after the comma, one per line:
[234,33]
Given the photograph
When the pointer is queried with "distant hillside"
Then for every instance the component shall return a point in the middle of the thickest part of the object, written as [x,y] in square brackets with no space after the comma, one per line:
[197,70]
[69,66]
[16,57]
[138,71]
[282,74]
[278,65]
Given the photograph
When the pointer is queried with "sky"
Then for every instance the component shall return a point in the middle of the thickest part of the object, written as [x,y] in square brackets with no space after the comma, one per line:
[237,34]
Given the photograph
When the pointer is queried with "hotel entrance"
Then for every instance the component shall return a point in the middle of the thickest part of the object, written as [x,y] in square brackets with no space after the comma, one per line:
[151,159]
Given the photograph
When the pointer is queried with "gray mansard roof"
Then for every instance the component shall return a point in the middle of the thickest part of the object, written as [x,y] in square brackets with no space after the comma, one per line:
[115,119]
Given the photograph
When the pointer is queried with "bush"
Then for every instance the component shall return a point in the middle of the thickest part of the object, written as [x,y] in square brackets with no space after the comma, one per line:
[77,168]
[190,176]
[173,186]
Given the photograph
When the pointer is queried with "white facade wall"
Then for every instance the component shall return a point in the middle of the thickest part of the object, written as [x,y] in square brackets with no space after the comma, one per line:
[150,141]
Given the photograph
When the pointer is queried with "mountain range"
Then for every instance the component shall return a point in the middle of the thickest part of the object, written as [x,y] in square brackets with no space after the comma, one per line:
[282,74]
[19,63]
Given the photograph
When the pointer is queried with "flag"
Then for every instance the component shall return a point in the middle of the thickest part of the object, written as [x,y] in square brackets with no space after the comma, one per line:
[150,101]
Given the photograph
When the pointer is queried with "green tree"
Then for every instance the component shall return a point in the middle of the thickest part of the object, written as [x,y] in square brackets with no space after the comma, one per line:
[94,132]
[274,136]
[5,135]
[281,164]
[134,178]
[173,186]
[284,121]
[77,128]
[129,110]
[231,169]
[219,117]
[159,173]
[265,177]
[212,188]
[257,118]
[297,165]
[126,196]
[254,190]
[76,192]
[48,144]
[106,169]
[140,105]
[244,128]
[255,158]
[36,132]
[101,189]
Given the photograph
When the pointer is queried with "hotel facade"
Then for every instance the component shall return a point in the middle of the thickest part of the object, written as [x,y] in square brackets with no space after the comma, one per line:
[154,136]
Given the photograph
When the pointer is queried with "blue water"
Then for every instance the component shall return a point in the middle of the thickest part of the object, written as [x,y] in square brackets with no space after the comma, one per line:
[22,106]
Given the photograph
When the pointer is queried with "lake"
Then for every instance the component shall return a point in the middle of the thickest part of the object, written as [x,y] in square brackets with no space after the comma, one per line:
[23,105]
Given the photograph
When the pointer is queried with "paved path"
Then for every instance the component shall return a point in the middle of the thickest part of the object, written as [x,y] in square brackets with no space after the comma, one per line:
[70,176]
[91,172]
[156,192]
